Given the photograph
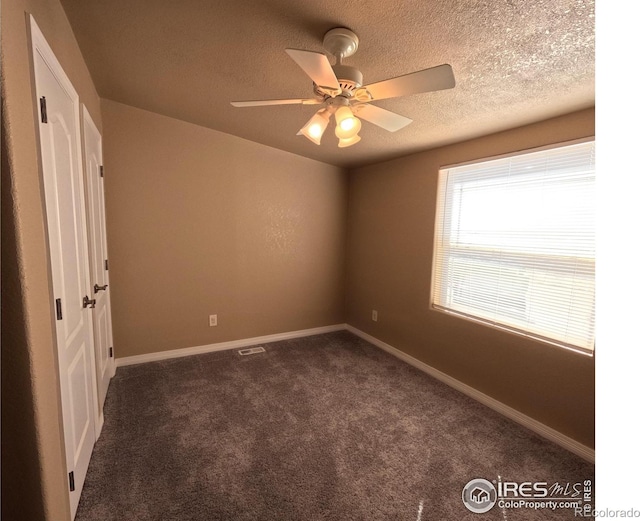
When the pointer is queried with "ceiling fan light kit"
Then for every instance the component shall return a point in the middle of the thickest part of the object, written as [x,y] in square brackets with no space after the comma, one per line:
[315,127]
[345,119]
[347,127]
[343,143]
[339,88]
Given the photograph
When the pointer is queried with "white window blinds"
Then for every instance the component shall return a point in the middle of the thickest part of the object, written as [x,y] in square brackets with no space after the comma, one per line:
[515,244]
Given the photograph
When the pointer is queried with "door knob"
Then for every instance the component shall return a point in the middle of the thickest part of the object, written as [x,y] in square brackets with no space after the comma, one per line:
[97,288]
[88,302]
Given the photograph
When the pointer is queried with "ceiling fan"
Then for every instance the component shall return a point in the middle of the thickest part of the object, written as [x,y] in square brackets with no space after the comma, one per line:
[339,89]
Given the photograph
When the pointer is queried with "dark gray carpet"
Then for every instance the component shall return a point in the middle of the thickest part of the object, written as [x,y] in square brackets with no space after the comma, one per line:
[320,428]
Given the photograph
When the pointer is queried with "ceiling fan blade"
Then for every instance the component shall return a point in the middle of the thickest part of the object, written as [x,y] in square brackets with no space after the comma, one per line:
[260,103]
[427,80]
[383,118]
[317,67]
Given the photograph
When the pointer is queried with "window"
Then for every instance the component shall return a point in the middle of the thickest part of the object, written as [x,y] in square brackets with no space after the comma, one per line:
[515,244]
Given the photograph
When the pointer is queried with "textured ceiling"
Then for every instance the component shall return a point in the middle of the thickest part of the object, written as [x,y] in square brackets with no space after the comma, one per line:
[515,62]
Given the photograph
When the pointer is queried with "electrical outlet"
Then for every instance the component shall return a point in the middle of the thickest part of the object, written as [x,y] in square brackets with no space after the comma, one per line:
[213,320]
[374,315]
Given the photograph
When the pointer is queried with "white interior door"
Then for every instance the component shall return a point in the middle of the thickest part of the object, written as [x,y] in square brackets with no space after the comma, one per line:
[59,115]
[98,257]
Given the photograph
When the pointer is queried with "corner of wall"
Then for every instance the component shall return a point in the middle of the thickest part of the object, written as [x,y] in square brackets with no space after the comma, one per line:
[20,446]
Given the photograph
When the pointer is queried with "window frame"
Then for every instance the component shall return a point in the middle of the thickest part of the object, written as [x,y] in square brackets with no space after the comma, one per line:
[440,210]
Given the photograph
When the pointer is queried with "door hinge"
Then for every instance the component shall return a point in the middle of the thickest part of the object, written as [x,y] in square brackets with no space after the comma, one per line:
[106,264]
[111,352]
[43,109]
[101,171]
[72,482]
[58,309]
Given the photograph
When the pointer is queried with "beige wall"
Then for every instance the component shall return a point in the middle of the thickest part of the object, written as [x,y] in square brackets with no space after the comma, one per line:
[200,222]
[33,468]
[391,219]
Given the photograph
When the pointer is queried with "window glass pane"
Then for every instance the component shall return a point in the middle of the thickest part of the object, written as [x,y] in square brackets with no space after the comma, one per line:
[515,243]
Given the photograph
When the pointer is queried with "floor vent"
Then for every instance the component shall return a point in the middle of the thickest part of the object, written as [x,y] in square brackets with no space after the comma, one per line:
[251,351]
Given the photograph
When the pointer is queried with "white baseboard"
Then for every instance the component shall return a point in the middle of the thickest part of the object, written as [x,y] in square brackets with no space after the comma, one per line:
[223,346]
[543,430]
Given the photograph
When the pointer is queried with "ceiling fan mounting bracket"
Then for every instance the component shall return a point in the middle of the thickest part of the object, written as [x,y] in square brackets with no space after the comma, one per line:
[340,42]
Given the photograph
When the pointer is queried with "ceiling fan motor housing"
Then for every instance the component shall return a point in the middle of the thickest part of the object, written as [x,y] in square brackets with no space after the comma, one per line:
[349,79]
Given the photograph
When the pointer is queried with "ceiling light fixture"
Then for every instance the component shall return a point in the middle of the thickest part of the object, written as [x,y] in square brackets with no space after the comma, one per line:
[345,119]
[347,126]
[348,142]
[315,127]
[341,90]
